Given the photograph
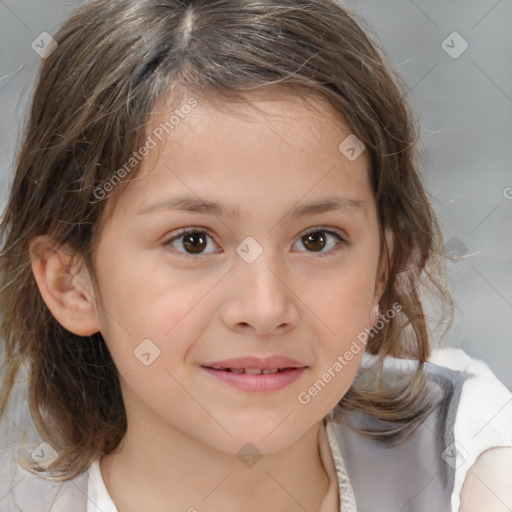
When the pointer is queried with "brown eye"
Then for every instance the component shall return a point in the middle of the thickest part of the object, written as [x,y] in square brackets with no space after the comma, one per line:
[195,243]
[320,242]
[314,241]
[192,243]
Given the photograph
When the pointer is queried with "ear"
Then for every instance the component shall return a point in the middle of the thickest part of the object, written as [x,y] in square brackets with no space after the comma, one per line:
[382,273]
[65,285]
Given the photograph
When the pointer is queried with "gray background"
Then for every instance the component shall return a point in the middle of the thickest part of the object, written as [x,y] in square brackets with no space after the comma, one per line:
[464,106]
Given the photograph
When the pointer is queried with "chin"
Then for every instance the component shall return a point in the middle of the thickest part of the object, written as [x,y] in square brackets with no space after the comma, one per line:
[266,438]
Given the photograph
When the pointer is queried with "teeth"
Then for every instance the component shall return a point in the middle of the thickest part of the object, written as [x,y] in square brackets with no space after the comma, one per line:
[253,370]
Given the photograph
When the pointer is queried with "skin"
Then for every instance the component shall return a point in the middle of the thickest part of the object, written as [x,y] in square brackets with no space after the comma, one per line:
[487,484]
[185,427]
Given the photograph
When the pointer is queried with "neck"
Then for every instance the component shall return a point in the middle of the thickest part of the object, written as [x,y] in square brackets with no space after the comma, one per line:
[159,468]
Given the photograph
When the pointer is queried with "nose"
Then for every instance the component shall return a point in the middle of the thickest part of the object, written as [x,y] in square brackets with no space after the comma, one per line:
[261,300]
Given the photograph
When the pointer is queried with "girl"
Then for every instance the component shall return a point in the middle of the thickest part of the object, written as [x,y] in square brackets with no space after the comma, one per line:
[214,249]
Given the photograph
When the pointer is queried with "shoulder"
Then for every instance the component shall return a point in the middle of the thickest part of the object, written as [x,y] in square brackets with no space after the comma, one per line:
[483,436]
[487,487]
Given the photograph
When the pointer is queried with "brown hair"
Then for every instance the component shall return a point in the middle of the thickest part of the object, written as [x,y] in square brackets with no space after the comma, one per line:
[93,98]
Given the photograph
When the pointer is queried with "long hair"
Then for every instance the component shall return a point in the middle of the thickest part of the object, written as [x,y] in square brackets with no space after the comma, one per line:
[93,98]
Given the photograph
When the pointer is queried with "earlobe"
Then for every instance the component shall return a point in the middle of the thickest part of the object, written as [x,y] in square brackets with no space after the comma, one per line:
[65,286]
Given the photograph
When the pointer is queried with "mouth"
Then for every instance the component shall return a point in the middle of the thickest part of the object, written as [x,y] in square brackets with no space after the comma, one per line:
[255,375]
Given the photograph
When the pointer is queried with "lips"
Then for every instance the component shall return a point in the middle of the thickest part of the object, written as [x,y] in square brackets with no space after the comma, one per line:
[255,375]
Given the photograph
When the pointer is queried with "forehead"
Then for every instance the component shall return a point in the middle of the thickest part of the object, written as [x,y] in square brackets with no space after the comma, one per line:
[266,144]
[292,116]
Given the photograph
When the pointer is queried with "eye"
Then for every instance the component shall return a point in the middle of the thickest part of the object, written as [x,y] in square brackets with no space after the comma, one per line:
[318,239]
[192,242]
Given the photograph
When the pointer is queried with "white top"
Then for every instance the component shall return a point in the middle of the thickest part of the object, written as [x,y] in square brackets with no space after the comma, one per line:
[99,498]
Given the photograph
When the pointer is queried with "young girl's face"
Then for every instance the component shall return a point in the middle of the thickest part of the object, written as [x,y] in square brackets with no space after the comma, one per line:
[282,261]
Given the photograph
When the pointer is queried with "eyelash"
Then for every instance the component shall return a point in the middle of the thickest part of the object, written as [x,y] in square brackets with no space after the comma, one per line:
[319,229]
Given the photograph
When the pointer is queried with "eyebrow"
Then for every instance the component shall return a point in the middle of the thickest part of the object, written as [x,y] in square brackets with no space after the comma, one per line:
[190,204]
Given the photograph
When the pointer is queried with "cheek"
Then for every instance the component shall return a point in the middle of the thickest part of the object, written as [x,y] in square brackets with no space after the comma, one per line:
[343,307]
[145,295]
[339,351]
[343,302]
[145,312]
